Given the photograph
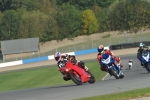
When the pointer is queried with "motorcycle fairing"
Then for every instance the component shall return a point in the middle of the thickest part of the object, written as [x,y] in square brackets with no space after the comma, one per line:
[108,61]
[77,69]
[146,56]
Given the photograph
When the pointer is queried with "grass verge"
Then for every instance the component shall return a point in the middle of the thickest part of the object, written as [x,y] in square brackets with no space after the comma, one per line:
[41,77]
[145,92]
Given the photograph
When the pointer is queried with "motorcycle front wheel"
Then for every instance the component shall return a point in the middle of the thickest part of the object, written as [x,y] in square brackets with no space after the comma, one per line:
[114,73]
[147,66]
[76,79]
[92,78]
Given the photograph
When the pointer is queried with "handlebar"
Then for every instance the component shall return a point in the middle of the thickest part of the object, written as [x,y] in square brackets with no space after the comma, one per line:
[62,63]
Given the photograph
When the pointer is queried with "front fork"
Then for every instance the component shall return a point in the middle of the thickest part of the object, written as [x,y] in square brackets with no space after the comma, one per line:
[118,67]
[119,70]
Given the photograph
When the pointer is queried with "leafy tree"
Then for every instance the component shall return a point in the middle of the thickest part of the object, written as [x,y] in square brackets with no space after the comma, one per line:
[44,6]
[51,28]
[10,25]
[17,4]
[1,16]
[69,21]
[90,23]
[129,15]
[51,31]
[79,4]
[86,4]
[102,18]
[5,5]
[104,3]
[33,24]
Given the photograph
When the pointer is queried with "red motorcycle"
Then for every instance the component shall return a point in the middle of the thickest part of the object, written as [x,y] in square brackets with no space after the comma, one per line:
[77,74]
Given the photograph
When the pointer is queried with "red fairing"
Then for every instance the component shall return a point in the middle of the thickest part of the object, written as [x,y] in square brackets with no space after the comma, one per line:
[81,72]
[69,66]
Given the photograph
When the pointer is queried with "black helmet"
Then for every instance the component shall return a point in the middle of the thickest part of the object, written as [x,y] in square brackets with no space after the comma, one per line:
[100,48]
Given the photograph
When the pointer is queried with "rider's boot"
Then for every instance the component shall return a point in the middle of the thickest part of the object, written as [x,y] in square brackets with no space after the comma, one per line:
[82,65]
[121,65]
[66,78]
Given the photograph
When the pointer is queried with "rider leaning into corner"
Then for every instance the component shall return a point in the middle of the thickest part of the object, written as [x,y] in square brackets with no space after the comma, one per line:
[101,50]
[142,47]
[59,57]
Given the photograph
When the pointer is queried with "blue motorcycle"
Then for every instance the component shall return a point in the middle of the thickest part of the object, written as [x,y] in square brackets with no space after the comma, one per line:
[146,60]
[109,63]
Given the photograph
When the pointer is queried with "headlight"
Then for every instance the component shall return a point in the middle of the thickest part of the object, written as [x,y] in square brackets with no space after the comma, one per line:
[67,70]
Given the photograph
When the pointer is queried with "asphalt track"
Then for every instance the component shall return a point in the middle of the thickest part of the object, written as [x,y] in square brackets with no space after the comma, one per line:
[135,78]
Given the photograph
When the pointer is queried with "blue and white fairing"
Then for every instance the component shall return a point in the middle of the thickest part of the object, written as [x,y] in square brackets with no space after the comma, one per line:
[146,58]
[108,61]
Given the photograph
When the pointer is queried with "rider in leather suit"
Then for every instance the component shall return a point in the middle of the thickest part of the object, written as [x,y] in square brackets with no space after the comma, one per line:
[101,50]
[140,50]
[59,57]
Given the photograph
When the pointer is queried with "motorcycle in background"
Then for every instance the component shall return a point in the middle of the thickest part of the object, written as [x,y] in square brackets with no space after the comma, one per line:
[130,64]
[146,60]
[113,69]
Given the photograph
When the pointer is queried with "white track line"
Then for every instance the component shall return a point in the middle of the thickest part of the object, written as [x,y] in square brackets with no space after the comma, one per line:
[105,76]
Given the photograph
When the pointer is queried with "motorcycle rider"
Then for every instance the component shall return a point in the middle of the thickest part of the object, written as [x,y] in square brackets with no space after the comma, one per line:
[59,57]
[140,50]
[101,50]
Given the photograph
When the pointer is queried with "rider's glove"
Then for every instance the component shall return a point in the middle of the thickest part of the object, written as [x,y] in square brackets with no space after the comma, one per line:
[86,68]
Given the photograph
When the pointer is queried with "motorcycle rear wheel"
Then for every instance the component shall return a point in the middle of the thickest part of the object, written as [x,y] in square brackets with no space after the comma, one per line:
[75,79]
[129,67]
[121,76]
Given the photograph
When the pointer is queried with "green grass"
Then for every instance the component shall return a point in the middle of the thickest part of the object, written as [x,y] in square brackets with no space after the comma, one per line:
[122,95]
[40,77]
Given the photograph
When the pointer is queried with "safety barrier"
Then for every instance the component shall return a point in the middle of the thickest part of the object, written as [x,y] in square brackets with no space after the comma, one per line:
[128,45]
[51,57]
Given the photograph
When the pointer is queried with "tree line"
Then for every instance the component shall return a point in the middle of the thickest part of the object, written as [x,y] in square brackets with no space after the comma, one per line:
[59,19]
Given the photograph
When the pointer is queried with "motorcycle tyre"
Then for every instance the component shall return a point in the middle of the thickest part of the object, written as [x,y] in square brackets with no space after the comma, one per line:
[92,78]
[129,67]
[148,67]
[114,73]
[121,76]
[72,76]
